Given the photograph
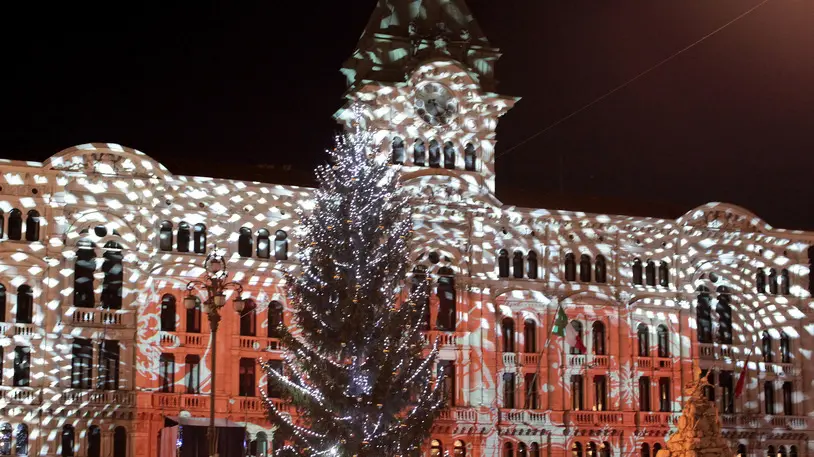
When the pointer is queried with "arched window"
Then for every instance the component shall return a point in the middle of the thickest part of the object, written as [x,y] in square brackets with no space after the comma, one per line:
[168,313]
[436,448]
[724,311]
[199,239]
[84,267]
[663,341]
[530,336]
[531,265]
[248,319]
[194,317]
[449,155]
[650,273]
[165,236]
[21,440]
[656,449]
[503,264]
[507,327]
[742,451]
[637,272]
[25,304]
[576,449]
[398,151]
[517,264]
[114,275]
[2,306]
[770,452]
[244,242]
[419,153]
[591,450]
[275,319]
[32,226]
[183,238]
[792,452]
[5,439]
[773,281]
[15,224]
[94,441]
[280,245]
[703,316]
[435,154]
[605,449]
[459,450]
[521,450]
[601,273]
[585,268]
[446,299]
[535,450]
[785,348]
[2,223]
[262,445]
[766,347]
[119,442]
[643,336]
[570,267]
[785,285]
[598,332]
[469,157]
[420,289]
[263,244]
[645,450]
[68,441]
[576,349]
[508,450]
[760,281]
[782,452]
[664,274]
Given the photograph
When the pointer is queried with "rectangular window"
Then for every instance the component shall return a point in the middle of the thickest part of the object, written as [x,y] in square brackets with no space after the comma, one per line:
[272,390]
[576,393]
[192,374]
[531,392]
[727,383]
[81,364]
[108,368]
[664,395]
[508,390]
[768,397]
[446,369]
[709,390]
[22,366]
[600,393]
[194,319]
[788,407]
[166,373]
[644,393]
[247,377]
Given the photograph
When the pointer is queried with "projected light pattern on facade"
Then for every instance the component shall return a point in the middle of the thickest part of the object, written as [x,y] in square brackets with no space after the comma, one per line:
[98,243]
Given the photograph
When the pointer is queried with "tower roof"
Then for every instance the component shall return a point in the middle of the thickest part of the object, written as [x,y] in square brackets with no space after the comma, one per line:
[394,17]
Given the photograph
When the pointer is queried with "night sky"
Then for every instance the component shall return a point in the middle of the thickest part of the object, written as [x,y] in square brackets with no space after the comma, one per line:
[221,89]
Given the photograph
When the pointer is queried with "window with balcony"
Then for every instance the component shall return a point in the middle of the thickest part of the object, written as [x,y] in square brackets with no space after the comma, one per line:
[577,393]
[68,441]
[530,336]
[168,313]
[2,303]
[272,388]
[94,441]
[192,374]
[788,406]
[446,369]
[768,397]
[663,337]
[247,378]
[785,348]
[446,300]
[84,267]
[576,449]
[194,318]
[22,366]
[81,363]
[531,391]
[459,449]
[727,383]
[113,276]
[199,239]
[165,236]
[15,224]
[703,314]
[108,369]
[248,319]
[600,393]
[508,390]
[643,338]
[507,330]
[263,244]
[664,395]
[436,448]
[166,373]
[644,393]
[636,272]
[724,311]
[576,349]
[280,245]
[598,333]
[766,347]
[25,304]
[650,273]
[503,264]
[244,242]
[184,237]
[585,268]
[709,389]
[531,265]
[275,319]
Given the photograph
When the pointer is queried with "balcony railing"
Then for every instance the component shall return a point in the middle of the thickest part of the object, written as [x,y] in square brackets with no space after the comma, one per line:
[24,330]
[445,338]
[644,362]
[258,343]
[93,317]
[530,359]
[251,405]
[600,361]
[174,340]
[576,360]
[607,418]
[524,416]
[657,419]
[21,395]
[765,421]
[194,402]
[459,414]
[112,398]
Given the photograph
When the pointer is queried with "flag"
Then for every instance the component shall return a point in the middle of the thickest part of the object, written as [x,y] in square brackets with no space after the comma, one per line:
[560,322]
[566,329]
[574,339]
[742,377]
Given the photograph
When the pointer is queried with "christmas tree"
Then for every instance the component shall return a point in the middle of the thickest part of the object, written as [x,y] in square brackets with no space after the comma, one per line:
[356,367]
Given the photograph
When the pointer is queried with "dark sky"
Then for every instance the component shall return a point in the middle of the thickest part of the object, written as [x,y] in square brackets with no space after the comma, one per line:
[731,119]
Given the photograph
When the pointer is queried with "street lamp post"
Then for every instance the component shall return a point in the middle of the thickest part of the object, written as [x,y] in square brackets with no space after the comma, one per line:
[215,284]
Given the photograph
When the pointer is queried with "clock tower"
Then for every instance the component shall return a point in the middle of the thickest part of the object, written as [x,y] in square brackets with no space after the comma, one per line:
[423,71]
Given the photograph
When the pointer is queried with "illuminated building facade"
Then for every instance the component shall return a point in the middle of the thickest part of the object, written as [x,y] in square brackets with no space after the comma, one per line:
[98,243]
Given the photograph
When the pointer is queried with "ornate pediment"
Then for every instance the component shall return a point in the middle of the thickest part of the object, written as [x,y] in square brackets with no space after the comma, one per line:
[107,160]
[724,218]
